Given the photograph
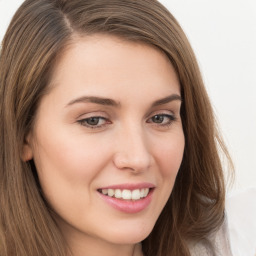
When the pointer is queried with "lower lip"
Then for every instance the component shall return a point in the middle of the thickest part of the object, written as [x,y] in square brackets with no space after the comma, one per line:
[128,206]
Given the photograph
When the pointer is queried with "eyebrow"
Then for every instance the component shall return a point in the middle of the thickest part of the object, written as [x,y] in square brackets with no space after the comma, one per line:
[96,100]
[111,102]
[166,100]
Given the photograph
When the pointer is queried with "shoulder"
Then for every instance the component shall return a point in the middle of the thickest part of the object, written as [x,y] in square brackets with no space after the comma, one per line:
[237,235]
[216,244]
[241,215]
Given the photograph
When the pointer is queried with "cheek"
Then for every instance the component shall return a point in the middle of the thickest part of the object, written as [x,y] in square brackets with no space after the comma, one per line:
[67,167]
[73,158]
[169,156]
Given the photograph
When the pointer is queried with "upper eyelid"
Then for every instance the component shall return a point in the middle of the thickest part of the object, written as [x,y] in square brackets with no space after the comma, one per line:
[160,112]
[93,114]
[166,108]
[109,117]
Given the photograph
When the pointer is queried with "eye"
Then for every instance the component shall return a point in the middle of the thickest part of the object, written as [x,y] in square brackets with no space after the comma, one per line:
[94,122]
[162,119]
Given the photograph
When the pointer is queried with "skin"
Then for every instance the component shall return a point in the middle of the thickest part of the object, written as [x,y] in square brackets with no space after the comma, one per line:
[133,141]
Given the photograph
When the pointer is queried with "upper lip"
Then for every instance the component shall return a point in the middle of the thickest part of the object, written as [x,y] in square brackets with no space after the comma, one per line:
[130,186]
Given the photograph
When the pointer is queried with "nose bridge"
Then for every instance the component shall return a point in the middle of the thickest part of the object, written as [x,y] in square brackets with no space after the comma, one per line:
[132,149]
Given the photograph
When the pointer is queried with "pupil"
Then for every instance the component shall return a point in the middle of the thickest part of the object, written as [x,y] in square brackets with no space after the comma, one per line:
[158,119]
[93,120]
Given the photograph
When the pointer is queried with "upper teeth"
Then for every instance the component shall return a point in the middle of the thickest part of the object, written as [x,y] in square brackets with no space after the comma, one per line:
[126,194]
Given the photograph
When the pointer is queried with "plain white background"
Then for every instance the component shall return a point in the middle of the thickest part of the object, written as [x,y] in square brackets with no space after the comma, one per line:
[223,36]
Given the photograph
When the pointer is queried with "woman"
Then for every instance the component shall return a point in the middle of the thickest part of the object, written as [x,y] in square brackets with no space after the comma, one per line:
[109,144]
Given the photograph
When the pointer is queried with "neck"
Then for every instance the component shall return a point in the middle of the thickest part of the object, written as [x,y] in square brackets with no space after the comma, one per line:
[134,250]
[137,251]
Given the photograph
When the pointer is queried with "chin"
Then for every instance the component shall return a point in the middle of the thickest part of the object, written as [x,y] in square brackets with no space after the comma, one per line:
[130,235]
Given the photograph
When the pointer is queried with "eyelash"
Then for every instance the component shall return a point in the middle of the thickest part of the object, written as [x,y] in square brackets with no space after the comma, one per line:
[84,122]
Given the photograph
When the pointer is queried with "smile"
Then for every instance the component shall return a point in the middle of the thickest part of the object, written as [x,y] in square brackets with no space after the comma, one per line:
[126,194]
[128,198]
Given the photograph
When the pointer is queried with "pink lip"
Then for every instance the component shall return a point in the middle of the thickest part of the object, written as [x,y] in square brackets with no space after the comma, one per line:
[129,206]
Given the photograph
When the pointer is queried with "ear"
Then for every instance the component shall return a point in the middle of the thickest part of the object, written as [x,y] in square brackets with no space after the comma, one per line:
[27,152]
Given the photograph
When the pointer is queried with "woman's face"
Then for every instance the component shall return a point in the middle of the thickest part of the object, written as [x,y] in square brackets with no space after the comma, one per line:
[108,140]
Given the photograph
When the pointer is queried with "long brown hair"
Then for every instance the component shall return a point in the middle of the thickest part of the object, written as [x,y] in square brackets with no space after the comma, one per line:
[38,34]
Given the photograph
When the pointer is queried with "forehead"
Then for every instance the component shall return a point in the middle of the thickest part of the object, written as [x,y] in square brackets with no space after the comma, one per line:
[112,63]
[98,47]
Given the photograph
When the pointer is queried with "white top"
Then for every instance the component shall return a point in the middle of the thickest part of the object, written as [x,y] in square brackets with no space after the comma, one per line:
[241,214]
[237,236]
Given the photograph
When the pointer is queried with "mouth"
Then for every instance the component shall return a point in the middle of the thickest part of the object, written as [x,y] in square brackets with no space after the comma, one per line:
[126,194]
[128,198]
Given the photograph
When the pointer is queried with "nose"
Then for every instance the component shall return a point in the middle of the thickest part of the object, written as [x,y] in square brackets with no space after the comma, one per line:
[133,151]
